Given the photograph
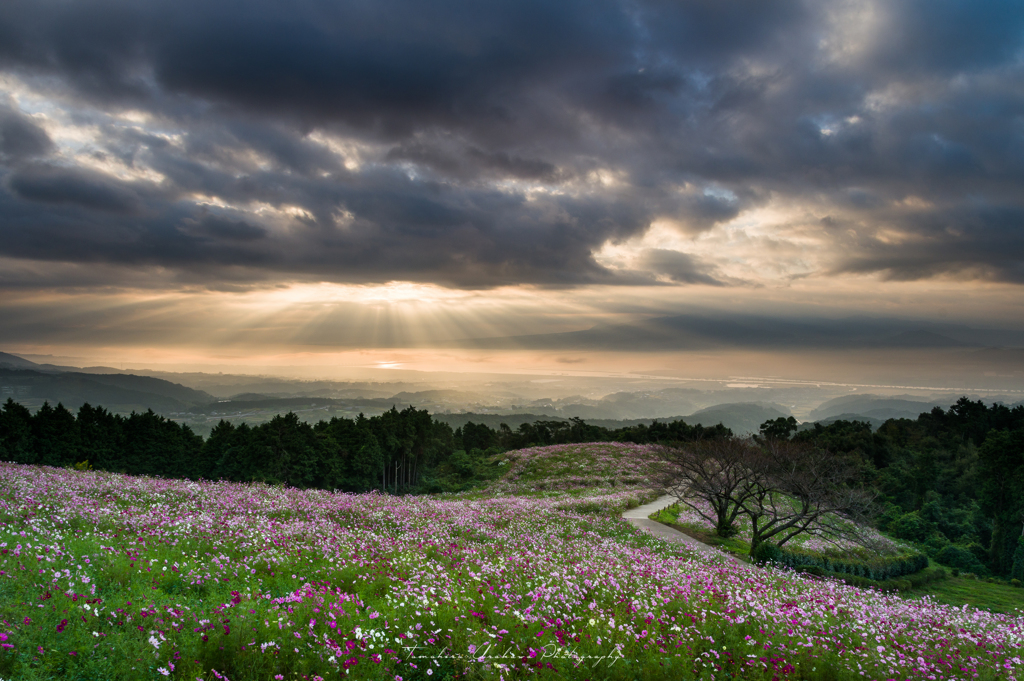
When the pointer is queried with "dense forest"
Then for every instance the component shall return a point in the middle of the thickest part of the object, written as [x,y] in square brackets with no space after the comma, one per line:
[950,481]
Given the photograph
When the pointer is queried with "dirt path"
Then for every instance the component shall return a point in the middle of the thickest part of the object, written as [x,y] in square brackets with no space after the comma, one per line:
[638,517]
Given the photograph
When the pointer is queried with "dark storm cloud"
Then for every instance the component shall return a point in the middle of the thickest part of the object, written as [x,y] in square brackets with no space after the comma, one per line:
[982,241]
[949,35]
[55,186]
[220,228]
[20,137]
[506,142]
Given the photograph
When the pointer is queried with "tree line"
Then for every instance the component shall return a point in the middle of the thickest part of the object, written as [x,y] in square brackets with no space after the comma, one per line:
[398,452]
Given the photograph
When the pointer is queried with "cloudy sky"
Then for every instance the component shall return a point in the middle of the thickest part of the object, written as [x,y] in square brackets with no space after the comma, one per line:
[316,176]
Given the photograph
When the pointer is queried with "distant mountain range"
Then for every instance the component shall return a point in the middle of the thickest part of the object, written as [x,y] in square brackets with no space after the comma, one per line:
[32,383]
[115,392]
[120,392]
[879,407]
[27,381]
[743,418]
[8,361]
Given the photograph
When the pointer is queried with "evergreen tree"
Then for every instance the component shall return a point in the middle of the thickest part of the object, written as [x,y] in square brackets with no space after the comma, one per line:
[100,438]
[55,435]
[227,453]
[16,441]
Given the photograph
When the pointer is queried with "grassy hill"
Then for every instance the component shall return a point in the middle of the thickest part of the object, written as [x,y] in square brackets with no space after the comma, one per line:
[603,465]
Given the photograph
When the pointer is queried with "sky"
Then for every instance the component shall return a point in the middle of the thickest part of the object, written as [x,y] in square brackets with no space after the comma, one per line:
[267,181]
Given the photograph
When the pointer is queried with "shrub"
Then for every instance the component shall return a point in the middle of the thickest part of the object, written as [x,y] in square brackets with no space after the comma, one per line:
[957,556]
[1015,583]
[811,570]
[766,552]
[911,526]
[461,463]
[890,514]
[892,585]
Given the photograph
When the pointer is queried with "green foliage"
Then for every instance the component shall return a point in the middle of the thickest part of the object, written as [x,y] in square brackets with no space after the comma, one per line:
[726,529]
[1017,570]
[960,557]
[461,463]
[911,526]
[949,478]
[576,430]
[1001,468]
[910,582]
[56,436]
[849,437]
[766,552]
[780,428]
[16,442]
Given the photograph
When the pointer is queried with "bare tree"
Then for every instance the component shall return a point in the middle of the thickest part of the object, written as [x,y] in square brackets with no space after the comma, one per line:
[784,488]
[712,477]
[799,489]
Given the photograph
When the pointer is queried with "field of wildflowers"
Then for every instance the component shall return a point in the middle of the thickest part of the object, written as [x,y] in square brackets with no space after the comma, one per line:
[105,576]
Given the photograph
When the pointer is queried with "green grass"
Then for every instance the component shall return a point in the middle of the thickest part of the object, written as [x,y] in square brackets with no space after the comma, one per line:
[979,593]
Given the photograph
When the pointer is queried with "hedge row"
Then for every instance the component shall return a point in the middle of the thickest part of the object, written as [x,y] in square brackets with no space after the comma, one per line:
[914,581]
[877,569]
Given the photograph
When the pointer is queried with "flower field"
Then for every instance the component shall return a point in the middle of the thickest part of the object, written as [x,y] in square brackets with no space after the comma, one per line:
[104,576]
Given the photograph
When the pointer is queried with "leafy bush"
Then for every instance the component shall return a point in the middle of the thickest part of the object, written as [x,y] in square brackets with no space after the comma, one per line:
[461,463]
[811,570]
[958,556]
[912,527]
[766,552]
